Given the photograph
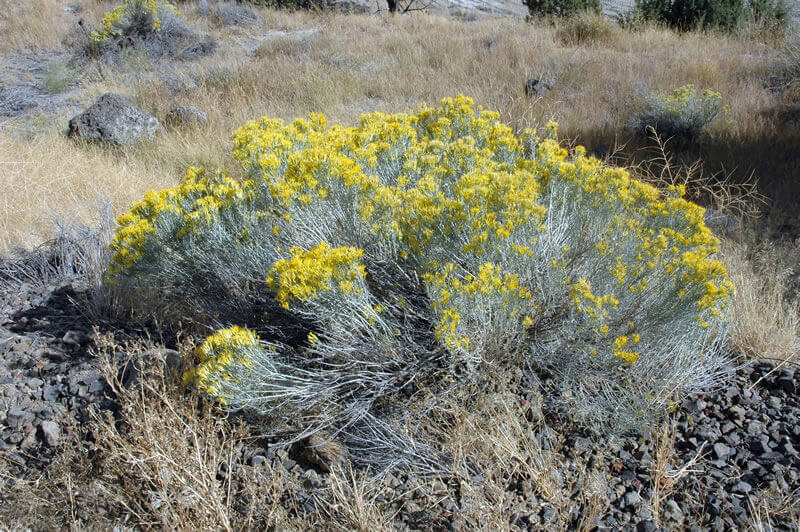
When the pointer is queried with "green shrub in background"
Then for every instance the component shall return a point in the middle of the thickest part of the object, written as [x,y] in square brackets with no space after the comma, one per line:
[416,244]
[680,115]
[724,15]
[769,20]
[706,14]
[561,8]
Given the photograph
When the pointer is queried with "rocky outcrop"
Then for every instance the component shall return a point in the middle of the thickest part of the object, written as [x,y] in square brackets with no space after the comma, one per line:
[114,120]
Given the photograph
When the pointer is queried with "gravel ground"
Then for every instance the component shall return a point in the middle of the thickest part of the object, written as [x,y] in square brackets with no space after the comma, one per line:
[741,442]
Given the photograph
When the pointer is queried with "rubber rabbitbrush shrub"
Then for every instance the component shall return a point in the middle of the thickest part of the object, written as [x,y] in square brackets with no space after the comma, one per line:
[413,237]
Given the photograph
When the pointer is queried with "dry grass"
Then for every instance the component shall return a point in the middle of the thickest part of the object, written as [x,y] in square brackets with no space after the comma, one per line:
[155,464]
[49,176]
[665,471]
[514,466]
[31,25]
[766,322]
[773,504]
[346,65]
[352,504]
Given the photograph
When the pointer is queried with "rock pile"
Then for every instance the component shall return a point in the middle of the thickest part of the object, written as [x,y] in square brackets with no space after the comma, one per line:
[47,378]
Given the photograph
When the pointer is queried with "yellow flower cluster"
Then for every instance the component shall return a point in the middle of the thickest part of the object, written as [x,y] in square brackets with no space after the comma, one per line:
[217,355]
[120,15]
[320,269]
[442,173]
[628,356]
[196,201]
[670,233]
[596,307]
[685,97]
[681,114]
[453,294]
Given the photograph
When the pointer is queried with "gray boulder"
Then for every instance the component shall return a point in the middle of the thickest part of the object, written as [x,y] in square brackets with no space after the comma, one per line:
[114,120]
[186,115]
[202,48]
[536,87]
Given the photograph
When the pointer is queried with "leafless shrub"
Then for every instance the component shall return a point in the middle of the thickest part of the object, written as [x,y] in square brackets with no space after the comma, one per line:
[78,254]
[739,200]
[352,503]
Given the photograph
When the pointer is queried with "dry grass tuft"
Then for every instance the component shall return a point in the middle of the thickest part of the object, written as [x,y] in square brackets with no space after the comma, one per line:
[156,462]
[665,472]
[773,504]
[739,201]
[510,452]
[352,504]
[766,323]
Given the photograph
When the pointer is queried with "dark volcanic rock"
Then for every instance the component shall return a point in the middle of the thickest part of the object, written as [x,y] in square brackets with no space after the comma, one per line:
[204,48]
[114,120]
[536,87]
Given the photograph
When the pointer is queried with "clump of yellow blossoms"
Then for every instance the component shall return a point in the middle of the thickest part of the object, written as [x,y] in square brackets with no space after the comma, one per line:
[124,14]
[306,273]
[198,200]
[681,114]
[219,356]
[519,248]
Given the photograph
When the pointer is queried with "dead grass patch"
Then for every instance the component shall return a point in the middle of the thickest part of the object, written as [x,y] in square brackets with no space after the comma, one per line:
[766,322]
[514,464]
[48,175]
[32,25]
[773,504]
[665,470]
[352,504]
[155,463]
